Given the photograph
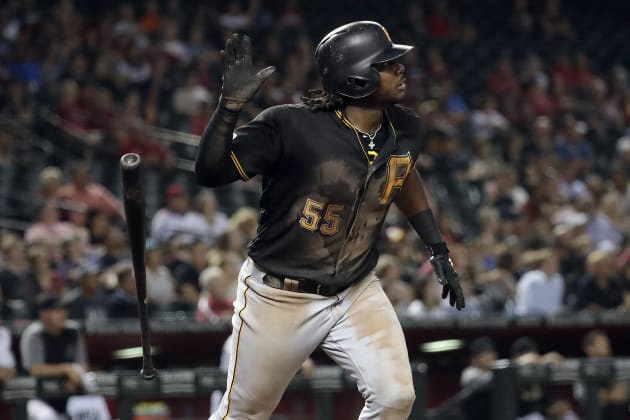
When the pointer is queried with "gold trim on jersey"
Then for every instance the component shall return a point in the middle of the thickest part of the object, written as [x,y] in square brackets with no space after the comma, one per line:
[398,168]
[238,344]
[239,167]
[389,121]
[349,125]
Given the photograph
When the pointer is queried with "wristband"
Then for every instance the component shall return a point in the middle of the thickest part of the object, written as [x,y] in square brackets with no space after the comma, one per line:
[438,248]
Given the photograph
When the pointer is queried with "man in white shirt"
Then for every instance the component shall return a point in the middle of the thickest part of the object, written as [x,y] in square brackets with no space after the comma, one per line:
[176,219]
[540,291]
[7,359]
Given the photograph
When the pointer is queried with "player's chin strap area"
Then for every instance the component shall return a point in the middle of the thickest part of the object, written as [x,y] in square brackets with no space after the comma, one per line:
[301,286]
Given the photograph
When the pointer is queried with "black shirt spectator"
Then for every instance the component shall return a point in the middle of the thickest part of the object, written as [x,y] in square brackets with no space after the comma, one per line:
[55,347]
[87,300]
[122,303]
[599,289]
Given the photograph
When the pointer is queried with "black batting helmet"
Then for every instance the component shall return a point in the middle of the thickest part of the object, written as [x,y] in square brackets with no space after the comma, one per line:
[345,57]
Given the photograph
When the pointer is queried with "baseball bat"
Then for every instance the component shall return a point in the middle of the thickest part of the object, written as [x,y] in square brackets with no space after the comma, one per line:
[133,199]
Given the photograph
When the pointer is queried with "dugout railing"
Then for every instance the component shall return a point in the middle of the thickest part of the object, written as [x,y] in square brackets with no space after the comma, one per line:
[507,377]
[501,393]
[127,387]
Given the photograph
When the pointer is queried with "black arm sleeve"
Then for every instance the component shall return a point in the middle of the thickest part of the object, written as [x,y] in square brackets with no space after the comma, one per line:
[425,224]
[214,165]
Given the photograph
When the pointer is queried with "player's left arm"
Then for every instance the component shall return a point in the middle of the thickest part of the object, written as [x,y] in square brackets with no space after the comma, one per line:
[413,203]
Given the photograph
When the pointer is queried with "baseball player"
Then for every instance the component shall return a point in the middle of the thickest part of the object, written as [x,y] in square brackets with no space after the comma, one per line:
[331,167]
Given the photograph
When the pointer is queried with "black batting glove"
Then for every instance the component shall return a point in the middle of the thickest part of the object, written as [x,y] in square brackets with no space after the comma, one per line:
[446,275]
[240,80]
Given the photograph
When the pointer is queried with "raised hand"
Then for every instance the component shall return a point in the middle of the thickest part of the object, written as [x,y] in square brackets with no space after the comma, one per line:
[240,80]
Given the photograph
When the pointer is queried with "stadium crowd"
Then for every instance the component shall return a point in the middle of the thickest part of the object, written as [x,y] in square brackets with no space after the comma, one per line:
[527,153]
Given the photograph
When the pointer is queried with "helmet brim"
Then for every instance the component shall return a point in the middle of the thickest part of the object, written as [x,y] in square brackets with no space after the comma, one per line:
[392,53]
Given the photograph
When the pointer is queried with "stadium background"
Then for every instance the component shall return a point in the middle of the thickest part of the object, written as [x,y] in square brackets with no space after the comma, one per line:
[526,105]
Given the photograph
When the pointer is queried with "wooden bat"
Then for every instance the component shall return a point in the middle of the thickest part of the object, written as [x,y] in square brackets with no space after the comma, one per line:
[133,199]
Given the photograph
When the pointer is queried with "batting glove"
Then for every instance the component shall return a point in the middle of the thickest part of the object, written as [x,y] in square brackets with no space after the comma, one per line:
[240,80]
[446,275]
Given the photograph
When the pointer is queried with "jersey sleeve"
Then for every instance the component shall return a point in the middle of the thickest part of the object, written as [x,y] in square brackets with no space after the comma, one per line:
[31,348]
[257,145]
[7,360]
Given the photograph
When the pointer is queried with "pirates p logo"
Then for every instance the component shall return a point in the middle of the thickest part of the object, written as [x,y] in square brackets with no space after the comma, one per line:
[398,167]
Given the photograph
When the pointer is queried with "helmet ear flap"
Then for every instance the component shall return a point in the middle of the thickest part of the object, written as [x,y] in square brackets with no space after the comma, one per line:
[357,82]
[361,86]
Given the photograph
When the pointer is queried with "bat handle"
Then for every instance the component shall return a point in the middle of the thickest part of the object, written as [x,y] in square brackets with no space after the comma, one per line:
[148,372]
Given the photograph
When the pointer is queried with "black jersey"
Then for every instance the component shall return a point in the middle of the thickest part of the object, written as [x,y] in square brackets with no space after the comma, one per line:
[323,203]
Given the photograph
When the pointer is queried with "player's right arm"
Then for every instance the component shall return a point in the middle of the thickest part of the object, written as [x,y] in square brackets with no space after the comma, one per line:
[216,163]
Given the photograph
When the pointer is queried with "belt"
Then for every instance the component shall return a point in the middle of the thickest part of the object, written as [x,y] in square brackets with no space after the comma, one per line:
[301,286]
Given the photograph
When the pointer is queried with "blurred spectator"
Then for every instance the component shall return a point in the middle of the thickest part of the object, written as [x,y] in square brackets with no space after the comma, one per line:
[199,121]
[122,302]
[535,401]
[98,224]
[172,46]
[501,80]
[49,184]
[612,395]
[87,299]
[540,291]
[126,26]
[521,21]
[214,300]
[507,195]
[150,21]
[616,200]
[533,72]
[398,291]
[49,231]
[498,285]
[623,153]
[134,68]
[484,162]
[206,203]
[571,144]
[482,355]
[538,100]
[188,98]
[241,229]
[54,347]
[69,108]
[429,304]
[290,15]
[598,226]
[75,256]
[176,219]
[160,282]
[115,248]
[441,23]
[88,194]
[600,288]
[187,273]
[487,120]
[234,18]
[16,283]
[7,358]
[43,276]
[554,23]
[570,185]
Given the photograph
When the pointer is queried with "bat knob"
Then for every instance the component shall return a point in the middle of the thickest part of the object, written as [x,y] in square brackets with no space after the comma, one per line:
[130,159]
[148,374]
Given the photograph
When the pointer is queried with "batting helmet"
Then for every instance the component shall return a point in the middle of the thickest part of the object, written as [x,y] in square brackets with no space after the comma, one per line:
[345,57]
